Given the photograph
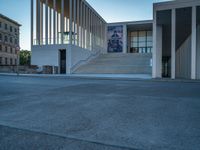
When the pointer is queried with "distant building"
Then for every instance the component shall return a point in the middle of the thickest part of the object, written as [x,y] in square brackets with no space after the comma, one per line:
[9,40]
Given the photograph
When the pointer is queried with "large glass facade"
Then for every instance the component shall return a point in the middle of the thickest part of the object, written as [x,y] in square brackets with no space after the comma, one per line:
[141,42]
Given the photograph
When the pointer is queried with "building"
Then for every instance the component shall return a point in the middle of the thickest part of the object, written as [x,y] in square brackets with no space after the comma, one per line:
[70,34]
[9,40]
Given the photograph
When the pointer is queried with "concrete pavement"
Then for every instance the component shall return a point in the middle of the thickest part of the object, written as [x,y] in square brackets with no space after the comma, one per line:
[107,113]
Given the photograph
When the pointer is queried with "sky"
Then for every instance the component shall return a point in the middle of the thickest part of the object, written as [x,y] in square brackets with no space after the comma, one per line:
[110,10]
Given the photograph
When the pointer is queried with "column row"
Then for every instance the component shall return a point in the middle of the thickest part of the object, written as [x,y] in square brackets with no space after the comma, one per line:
[73,22]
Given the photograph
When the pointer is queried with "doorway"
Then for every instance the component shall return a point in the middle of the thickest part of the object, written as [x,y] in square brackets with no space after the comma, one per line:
[62,61]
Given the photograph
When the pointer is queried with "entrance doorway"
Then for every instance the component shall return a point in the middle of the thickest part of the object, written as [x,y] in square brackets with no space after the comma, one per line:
[62,61]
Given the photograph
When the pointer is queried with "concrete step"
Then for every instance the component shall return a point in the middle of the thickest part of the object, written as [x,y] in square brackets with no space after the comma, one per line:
[114,69]
[117,63]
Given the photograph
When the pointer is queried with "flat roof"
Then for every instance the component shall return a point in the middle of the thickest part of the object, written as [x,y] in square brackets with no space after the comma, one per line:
[173,4]
[132,22]
[11,20]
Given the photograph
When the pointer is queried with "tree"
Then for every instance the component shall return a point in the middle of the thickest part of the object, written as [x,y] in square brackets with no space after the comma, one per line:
[25,57]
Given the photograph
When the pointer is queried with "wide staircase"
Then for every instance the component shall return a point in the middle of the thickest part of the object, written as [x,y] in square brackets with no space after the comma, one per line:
[118,63]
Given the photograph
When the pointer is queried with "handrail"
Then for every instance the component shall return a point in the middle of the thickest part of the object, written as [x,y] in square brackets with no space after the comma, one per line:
[74,67]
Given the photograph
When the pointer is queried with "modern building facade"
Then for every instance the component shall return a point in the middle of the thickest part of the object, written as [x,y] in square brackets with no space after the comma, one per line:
[64,32]
[176,36]
[9,40]
[70,34]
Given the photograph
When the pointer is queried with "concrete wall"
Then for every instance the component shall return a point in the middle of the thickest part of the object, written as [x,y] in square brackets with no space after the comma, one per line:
[80,56]
[46,55]
[198,52]
[183,60]
[49,55]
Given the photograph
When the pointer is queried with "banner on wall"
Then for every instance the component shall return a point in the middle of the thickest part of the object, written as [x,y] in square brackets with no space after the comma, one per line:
[115,38]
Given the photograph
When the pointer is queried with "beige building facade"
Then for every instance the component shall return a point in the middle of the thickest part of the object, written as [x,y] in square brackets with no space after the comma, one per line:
[9,40]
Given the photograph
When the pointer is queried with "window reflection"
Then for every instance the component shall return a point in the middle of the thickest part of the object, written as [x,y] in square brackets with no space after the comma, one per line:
[141,42]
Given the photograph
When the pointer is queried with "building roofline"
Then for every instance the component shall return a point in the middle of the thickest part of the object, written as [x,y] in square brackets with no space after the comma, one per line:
[86,3]
[11,20]
[132,22]
[175,4]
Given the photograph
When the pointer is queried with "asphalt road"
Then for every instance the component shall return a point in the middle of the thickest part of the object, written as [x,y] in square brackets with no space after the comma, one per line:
[82,114]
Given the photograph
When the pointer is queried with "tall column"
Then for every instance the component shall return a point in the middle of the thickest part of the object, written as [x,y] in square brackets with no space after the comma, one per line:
[157,49]
[62,21]
[74,37]
[87,33]
[173,44]
[50,26]
[32,22]
[89,15]
[41,23]
[125,39]
[70,22]
[46,22]
[194,43]
[38,22]
[78,21]
[57,30]
[54,21]
[81,24]
[92,24]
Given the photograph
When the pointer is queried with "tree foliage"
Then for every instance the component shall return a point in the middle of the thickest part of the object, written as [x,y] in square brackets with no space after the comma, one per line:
[25,57]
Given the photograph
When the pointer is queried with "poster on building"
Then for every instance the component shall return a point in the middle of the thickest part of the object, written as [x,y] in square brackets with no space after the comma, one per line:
[115,39]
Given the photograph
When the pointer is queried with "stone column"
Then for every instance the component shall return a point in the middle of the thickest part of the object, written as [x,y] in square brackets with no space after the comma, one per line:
[50,26]
[62,21]
[74,18]
[124,38]
[38,22]
[54,21]
[81,24]
[194,43]
[157,49]
[78,21]
[46,22]
[41,23]
[173,44]
[32,23]
[70,22]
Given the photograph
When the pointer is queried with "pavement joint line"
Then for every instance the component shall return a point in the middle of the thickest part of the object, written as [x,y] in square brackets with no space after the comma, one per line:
[104,78]
[66,137]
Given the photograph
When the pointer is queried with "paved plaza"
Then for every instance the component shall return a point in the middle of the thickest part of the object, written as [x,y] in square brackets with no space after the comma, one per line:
[59,113]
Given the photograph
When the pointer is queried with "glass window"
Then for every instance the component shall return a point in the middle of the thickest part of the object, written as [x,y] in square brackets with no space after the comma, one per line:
[11,39]
[149,44]
[11,61]
[6,48]
[134,44]
[6,61]
[11,29]
[6,39]
[15,30]
[0,47]
[142,36]
[6,26]
[0,37]
[16,41]
[142,44]
[0,24]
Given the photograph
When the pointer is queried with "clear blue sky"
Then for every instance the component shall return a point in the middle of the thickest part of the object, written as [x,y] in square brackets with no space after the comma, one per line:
[110,10]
